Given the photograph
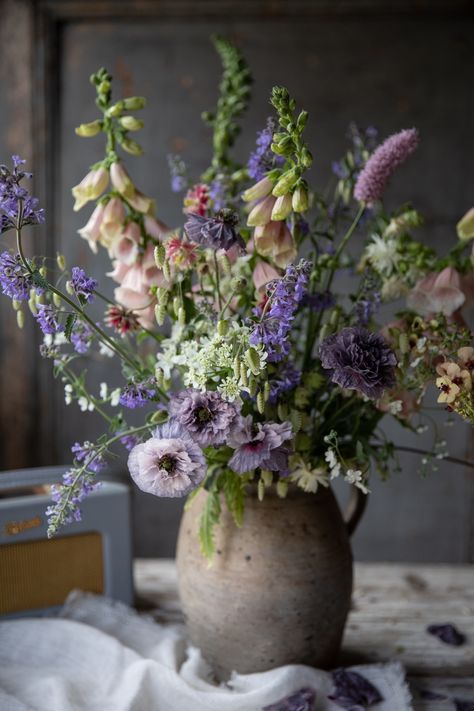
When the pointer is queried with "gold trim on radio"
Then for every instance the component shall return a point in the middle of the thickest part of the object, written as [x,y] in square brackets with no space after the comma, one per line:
[12,528]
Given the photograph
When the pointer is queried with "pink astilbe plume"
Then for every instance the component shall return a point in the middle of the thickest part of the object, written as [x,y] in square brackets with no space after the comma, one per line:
[382,163]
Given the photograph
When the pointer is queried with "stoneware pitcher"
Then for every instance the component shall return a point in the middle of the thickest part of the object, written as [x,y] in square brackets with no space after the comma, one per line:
[278,590]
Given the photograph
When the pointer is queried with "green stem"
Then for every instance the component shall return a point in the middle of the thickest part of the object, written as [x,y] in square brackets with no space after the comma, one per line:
[454,460]
[218,283]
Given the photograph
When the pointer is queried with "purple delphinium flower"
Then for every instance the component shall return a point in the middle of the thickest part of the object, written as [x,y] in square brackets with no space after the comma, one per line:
[15,279]
[47,318]
[216,232]
[88,455]
[285,295]
[81,337]
[207,417]
[373,178]
[137,394]
[177,167]
[359,360]
[17,206]
[169,464]
[353,690]
[284,381]
[262,159]
[447,633]
[302,700]
[83,285]
[76,485]
[266,445]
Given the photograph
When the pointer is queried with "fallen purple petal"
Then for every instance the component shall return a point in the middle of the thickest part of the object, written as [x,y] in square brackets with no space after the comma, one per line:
[447,633]
[302,700]
[353,691]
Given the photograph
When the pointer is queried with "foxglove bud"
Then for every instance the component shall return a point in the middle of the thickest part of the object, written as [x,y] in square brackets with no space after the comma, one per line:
[130,146]
[134,103]
[87,130]
[252,359]
[115,110]
[301,121]
[300,199]
[20,319]
[282,411]
[121,180]
[258,191]
[61,261]
[104,87]
[306,158]
[465,226]
[286,182]
[262,212]
[282,207]
[160,255]
[222,327]
[403,343]
[130,123]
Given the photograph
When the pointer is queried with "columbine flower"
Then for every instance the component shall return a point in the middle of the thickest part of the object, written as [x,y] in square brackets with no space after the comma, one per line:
[263,159]
[121,319]
[215,232]
[83,285]
[13,195]
[266,445]
[359,360]
[15,279]
[169,464]
[373,178]
[88,455]
[466,357]
[452,382]
[285,295]
[81,336]
[307,478]
[181,253]
[196,201]
[437,293]
[207,417]
[47,318]
[91,187]
[137,394]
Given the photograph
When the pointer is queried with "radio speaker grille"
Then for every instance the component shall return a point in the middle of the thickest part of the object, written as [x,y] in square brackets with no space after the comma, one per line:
[41,573]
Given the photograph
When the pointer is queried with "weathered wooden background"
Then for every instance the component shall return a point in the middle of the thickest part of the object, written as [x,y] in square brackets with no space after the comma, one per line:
[389,64]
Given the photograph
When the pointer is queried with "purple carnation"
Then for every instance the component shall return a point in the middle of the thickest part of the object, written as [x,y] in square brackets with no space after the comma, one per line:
[359,360]
[216,232]
[207,417]
[136,395]
[169,464]
[15,279]
[285,295]
[83,285]
[382,163]
[87,454]
[47,318]
[266,445]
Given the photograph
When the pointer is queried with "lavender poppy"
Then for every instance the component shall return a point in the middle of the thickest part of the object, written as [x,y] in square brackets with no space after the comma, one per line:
[207,417]
[215,232]
[359,360]
[266,445]
[169,464]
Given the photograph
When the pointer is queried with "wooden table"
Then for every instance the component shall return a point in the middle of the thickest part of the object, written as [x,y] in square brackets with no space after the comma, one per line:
[392,606]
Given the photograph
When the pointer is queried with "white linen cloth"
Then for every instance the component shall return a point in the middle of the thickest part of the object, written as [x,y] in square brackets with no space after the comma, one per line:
[102,656]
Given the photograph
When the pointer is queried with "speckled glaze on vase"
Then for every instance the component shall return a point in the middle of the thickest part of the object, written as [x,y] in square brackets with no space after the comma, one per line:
[279,588]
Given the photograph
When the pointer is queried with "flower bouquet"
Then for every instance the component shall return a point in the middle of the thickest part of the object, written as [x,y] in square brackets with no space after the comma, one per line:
[255,369]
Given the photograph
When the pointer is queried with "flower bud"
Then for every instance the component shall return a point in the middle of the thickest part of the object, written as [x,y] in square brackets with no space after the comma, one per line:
[134,103]
[130,146]
[306,158]
[70,288]
[20,319]
[43,271]
[282,207]
[236,367]
[222,327]
[267,477]
[87,130]
[244,379]
[176,305]
[160,255]
[57,301]
[465,226]
[253,386]
[301,121]
[300,200]
[16,304]
[260,402]
[166,270]
[159,417]
[32,307]
[115,110]
[325,331]
[162,295]
[104,87]
[266,390]
[181,316]
[160,313]
[238,284]
[286,182]
[258,191]
[261,213]
[61,261]
[261,489]
[253,360]
[130,123]
[121,180]
[282,488]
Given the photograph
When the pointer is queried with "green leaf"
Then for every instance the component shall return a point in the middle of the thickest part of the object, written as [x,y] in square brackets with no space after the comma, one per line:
[70,321]
[39,280]
[233,487]
[209,520]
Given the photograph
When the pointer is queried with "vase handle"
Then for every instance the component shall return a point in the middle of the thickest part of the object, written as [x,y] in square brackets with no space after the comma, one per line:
[355,509]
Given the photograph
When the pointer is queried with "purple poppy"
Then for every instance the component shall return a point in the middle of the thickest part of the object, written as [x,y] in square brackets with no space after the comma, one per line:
[207,417]
[266,445]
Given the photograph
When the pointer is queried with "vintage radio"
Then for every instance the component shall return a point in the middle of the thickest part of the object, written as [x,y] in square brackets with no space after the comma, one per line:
[37,573]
